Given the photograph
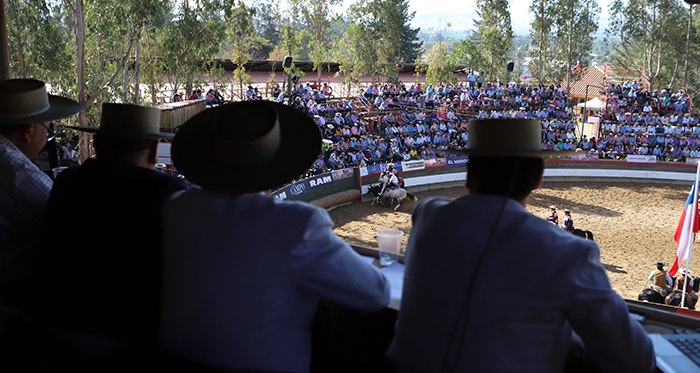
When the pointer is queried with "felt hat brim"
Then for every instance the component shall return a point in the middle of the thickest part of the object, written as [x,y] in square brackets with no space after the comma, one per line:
[24,101]
[195,155]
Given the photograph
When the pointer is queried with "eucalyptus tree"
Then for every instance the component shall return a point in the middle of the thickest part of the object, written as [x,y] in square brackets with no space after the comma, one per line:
[495,33]
[38,45]
[319,16]
[239,20]
[372,42]
[190,40]
[576,22]
[437,65]
[540,34]
[467,53]
[642,30]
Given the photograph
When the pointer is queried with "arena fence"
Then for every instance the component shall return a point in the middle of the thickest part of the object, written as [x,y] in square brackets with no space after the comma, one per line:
[341,186]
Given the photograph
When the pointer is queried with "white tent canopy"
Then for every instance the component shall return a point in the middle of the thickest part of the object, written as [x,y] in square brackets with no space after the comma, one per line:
[594,104]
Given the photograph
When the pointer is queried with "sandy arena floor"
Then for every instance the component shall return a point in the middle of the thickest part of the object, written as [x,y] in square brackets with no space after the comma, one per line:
[633,223]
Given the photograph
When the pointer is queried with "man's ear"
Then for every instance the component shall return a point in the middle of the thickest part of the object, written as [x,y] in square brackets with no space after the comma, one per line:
[26,133]
[153,153]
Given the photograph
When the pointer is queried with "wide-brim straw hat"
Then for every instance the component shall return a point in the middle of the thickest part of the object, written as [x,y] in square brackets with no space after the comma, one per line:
[24,101]
[246,146]
[129,120]
[507,138]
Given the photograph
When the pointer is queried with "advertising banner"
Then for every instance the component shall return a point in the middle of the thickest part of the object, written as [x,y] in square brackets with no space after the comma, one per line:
[457,161]
[436,162]
[585,157]
[692,161]
[631,158]
[342,174]
[413,165]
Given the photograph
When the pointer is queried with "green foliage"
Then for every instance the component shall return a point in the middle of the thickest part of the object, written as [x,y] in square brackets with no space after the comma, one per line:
[241,34]
[193,36]
[576,22]
[37,42]
[540,35]
[495,33]
[644,32]
[437,65]
[467,53]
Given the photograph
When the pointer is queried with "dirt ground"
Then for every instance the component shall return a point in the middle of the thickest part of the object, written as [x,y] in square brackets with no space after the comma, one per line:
[633,223]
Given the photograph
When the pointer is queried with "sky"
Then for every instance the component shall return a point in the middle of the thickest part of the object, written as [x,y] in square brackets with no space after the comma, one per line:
[520,16]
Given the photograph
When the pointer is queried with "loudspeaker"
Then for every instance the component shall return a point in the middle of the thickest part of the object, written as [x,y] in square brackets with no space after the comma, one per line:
[287,63]
[511,66]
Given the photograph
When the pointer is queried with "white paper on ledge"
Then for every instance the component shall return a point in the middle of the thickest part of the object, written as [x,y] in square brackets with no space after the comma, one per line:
[394,273]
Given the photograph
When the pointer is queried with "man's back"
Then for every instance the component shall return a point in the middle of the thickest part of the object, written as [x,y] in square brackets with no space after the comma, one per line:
[105,277]
[534,278]
[243,276]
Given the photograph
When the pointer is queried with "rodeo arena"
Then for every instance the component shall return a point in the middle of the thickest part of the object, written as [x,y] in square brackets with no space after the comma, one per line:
[315,227]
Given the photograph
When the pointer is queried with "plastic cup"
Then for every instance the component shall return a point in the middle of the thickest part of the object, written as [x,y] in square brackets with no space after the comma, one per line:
[58,170]
[389,242]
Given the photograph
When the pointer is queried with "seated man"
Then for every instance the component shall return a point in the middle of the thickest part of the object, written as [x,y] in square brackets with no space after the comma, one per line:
[244,271]
[25,111]
[553,216]
[463,253]
[102,282]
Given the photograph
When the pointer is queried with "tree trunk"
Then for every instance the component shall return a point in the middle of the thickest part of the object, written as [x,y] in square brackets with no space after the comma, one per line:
[80,72]
[137,72]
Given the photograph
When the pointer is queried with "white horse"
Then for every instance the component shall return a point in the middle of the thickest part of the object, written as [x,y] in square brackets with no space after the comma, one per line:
[398,194]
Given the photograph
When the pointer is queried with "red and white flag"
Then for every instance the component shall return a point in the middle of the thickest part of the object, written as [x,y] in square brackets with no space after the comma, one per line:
[687,226]
[577,67]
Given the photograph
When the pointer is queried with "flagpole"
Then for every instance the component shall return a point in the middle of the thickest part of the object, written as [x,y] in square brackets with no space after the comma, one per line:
[692,234]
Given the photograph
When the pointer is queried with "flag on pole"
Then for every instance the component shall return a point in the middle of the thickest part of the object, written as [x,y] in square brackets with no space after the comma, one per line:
[577,67]
[684,232]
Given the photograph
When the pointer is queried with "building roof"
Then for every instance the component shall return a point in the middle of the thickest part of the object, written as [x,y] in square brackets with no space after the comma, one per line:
[603,76]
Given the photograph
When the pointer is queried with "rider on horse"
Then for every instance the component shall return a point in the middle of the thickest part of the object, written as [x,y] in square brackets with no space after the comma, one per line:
[568,223]
[553,217]
[687,286]
[662,280]
[394,179]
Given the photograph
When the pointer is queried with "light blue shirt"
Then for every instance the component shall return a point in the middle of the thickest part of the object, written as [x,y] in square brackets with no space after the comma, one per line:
[243,277]
[24,192]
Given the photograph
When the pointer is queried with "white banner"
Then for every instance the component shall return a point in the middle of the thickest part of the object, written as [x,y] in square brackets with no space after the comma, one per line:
[413,165]
[631,158]
[692,161]
[585,157]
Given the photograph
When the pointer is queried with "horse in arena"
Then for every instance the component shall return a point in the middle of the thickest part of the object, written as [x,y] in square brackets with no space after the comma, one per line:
[585,234]
[674,299]
[381,190]
[652,295]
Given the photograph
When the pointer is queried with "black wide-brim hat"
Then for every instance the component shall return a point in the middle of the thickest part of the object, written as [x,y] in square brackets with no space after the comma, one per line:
[246,147]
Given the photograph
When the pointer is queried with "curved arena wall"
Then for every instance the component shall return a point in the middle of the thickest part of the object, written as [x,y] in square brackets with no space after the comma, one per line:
[336,187]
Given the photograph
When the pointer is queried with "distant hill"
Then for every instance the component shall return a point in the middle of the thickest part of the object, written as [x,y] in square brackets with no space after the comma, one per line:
[462,22]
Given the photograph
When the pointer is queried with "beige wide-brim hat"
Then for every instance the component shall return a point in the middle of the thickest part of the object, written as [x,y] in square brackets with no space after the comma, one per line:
[507,138]
[246,146]
[129,120]
[24,101]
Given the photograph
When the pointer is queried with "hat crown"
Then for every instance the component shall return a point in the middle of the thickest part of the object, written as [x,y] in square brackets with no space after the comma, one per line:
[244,134]
[129,120]
[504,137]
[21,98]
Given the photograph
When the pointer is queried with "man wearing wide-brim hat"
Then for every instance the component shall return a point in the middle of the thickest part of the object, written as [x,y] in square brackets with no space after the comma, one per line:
[458,254]
[25,112]
[661,278]
[105,280]
[244,271]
